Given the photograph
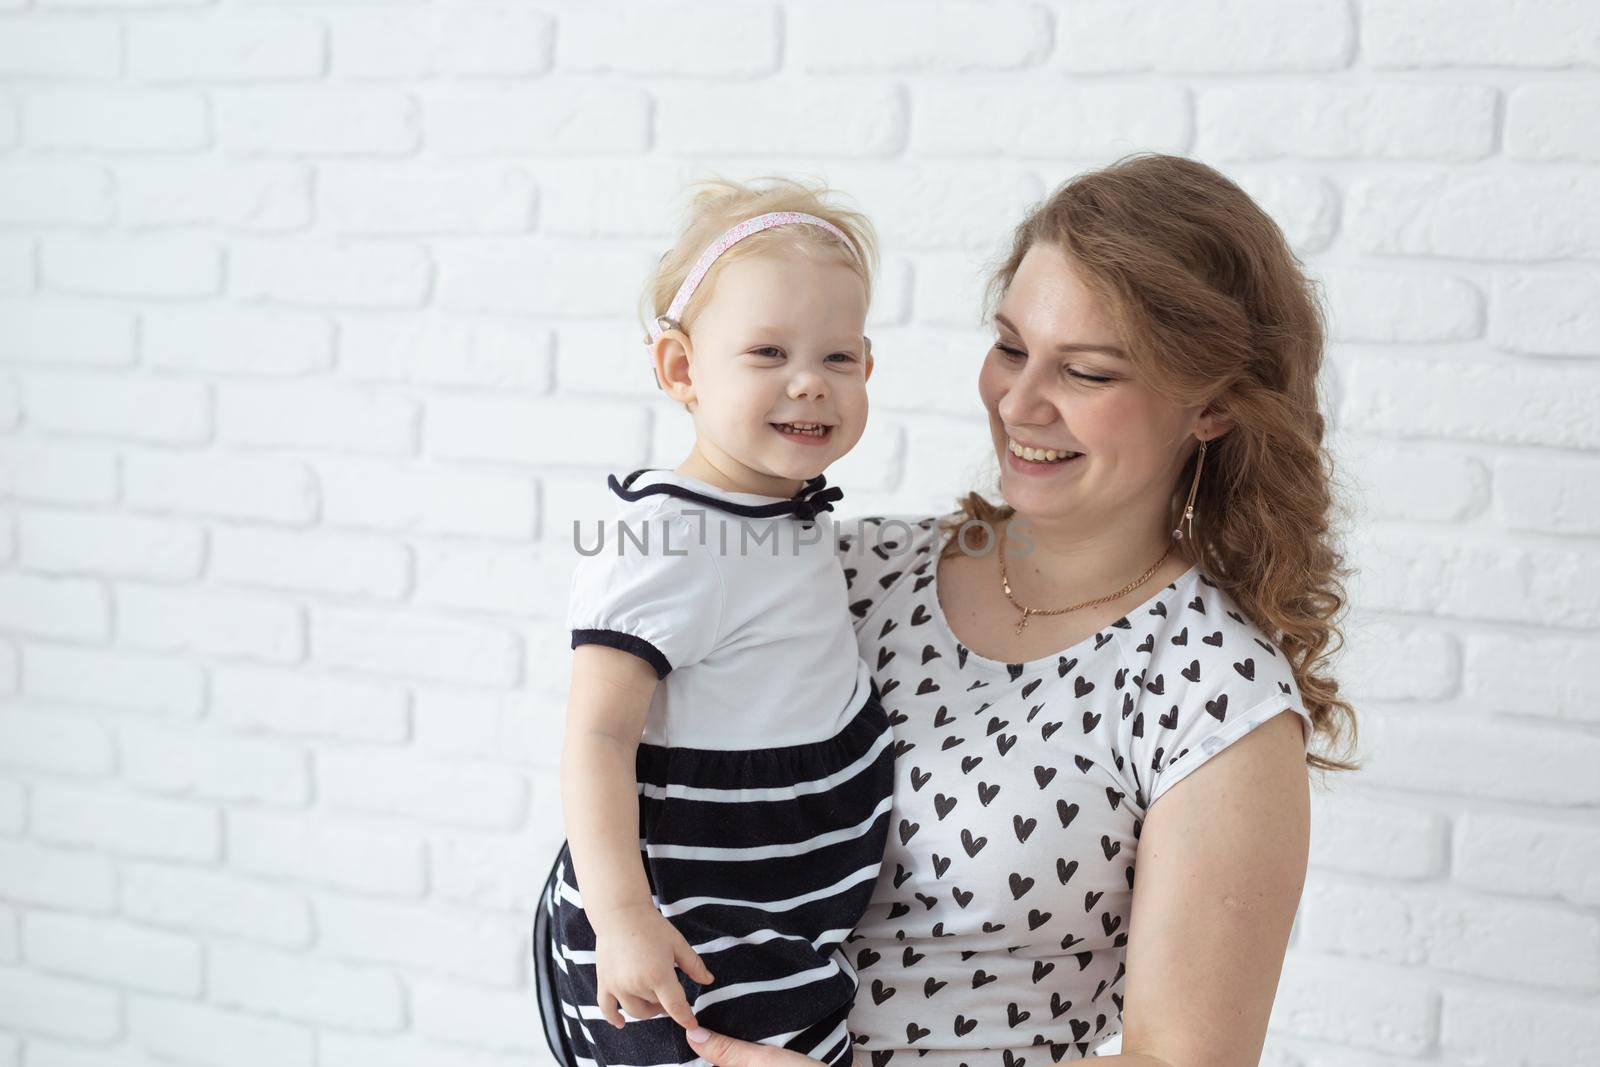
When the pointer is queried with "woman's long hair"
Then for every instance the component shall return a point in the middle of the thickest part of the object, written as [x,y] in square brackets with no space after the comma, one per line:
[1215,309]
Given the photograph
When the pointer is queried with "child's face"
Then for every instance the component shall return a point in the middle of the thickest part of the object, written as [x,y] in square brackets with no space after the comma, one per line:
[780,342]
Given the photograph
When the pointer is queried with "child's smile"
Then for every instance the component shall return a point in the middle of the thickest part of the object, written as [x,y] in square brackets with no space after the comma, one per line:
[803,433]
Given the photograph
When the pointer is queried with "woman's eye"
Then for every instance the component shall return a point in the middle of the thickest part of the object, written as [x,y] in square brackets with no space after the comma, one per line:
[1017,353]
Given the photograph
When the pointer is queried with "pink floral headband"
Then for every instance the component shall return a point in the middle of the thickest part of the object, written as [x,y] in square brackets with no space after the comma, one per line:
[730,237]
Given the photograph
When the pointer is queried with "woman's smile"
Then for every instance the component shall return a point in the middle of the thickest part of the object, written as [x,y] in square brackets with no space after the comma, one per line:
[1027,460]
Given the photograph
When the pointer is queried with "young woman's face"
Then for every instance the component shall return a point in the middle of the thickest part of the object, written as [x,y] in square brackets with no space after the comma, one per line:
[781,342]
[1056,379]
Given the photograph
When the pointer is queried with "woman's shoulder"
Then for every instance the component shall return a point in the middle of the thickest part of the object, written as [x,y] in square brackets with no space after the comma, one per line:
[878,552]
[1204,674]
[1198,634]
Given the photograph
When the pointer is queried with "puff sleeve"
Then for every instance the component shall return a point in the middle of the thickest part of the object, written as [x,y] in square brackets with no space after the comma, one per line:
[652,589]
[1230,679]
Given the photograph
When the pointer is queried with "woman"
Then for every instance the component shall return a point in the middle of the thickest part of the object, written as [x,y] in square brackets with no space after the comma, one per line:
[1155,598]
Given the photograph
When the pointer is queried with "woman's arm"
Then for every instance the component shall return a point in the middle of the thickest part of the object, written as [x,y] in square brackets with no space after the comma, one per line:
[1221,862]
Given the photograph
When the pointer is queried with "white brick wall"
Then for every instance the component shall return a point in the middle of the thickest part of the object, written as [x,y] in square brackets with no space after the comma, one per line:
[315,334]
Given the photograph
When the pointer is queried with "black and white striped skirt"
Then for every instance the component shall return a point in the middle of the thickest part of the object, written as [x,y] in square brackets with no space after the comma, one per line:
[764,860]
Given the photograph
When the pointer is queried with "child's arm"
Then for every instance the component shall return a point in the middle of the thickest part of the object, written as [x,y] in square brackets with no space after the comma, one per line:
[606,708]
[635,947]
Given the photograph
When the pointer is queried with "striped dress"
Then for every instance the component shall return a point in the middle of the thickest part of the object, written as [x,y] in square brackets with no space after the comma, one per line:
[763,856]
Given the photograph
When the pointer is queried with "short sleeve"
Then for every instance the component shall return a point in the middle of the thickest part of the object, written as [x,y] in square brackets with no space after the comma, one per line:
[1219,697]
[652,589]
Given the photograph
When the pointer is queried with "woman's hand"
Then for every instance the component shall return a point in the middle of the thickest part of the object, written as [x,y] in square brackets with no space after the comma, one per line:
[636,950]
[725,1051]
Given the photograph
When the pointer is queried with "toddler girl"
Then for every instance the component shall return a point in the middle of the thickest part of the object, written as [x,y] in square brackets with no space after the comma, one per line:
[727,767]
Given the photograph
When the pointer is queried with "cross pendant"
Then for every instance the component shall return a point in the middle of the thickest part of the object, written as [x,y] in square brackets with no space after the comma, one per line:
[1024,620]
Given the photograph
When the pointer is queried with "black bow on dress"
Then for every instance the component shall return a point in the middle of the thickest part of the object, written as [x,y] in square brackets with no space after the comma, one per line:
[814,498]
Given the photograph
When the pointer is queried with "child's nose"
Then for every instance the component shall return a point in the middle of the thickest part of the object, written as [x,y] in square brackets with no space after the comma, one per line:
[806,384]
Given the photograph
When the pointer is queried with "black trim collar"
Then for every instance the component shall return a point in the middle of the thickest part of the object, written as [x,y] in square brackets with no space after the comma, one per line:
[814,497]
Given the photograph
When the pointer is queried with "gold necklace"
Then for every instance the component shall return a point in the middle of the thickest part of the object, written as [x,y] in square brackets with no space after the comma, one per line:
[1177,535]
[1026,611]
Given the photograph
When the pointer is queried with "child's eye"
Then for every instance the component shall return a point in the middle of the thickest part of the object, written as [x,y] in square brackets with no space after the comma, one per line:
[768,350]
[846,356]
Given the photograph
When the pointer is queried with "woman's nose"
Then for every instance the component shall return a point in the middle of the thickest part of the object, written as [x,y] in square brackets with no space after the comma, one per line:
[1025,403]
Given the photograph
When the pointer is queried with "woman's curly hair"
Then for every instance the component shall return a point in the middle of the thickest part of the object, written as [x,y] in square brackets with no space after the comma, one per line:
[1215,309]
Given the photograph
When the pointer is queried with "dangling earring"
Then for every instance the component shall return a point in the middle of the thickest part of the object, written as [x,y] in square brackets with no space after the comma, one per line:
[1194,486]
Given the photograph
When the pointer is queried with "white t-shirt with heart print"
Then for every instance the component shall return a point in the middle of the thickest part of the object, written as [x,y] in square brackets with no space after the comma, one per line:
[997,931]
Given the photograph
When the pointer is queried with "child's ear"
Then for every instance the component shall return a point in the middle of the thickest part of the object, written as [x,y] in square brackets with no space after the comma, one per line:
[670,353]
[868,361]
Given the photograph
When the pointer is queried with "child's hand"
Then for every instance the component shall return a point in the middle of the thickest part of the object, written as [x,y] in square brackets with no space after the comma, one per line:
[636,950]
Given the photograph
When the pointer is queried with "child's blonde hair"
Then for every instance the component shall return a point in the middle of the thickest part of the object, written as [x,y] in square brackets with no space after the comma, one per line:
[718,203]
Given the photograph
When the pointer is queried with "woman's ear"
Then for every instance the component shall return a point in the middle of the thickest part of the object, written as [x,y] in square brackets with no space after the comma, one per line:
[670,354]
[1212,424]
